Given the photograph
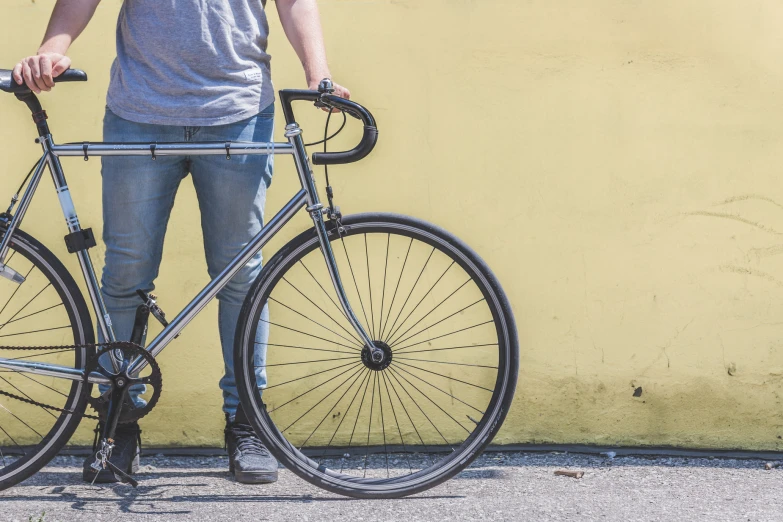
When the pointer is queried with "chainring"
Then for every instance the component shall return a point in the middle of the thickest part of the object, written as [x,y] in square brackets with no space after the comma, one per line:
[130,412]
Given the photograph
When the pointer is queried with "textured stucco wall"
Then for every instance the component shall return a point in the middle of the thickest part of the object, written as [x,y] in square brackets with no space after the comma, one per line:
[617,163]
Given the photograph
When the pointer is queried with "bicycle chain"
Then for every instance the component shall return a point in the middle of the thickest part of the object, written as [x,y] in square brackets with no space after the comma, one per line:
[46,406]
[63,347]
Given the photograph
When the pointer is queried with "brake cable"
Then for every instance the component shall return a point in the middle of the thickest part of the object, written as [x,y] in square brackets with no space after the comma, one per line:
[333,212]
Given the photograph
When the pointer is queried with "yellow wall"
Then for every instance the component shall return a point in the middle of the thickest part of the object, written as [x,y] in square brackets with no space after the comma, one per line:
[616,163]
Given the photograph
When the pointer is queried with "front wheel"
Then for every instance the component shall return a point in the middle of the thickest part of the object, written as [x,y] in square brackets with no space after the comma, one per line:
[349,425]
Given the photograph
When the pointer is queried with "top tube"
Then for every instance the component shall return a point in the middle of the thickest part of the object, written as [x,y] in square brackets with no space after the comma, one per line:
[206,148]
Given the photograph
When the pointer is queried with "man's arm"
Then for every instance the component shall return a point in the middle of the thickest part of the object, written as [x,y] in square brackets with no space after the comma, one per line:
[302,25]
[68,20]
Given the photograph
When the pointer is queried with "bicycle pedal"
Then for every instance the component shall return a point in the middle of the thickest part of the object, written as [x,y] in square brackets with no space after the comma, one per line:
[150,300]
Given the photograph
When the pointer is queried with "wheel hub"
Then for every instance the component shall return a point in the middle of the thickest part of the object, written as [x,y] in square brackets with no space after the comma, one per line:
[370,363]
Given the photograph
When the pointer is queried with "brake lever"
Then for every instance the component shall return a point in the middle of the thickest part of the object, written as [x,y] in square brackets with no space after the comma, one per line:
[327,87]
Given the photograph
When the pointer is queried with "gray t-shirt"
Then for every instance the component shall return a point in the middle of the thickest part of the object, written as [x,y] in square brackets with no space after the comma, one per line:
[191,62]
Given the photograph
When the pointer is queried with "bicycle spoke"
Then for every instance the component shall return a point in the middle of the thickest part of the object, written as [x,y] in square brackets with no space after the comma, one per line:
[353,276]
[26,304]
[383,292]
[369,424]
[314,406]
[366,376]
[446,362]
[35,331]
[32,314]
[307,362]
[446,377]
[25,375]
[12,385]
[358,414]
[396,374]
[383,427]
[398,350]
[397,423]
[442,320]
[411,327]
[315,388]
[20,420]
[358,374]
[440,390]
[307,334]
[413,425]
[306,376]
[301,347]
[11,438]
[312,321]
[321,309]
[369,287]
[412,289]
[38,354]
[339,308]
[396,287]
[393,375]
[26,276]
[391,335]
[451,348]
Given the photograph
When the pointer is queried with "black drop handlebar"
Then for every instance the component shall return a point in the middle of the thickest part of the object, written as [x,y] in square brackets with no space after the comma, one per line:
[369,138]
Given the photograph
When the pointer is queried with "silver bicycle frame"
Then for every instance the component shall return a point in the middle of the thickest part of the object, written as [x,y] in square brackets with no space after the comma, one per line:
[307,197]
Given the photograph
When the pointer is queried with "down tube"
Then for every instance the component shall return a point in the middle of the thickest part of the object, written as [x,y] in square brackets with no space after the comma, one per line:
[216,285]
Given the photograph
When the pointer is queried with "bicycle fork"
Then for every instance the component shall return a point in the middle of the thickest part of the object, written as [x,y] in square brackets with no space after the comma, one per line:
[316,210]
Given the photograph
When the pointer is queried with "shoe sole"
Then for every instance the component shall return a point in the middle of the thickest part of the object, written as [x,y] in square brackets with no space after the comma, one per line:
[245,477]
[107,476]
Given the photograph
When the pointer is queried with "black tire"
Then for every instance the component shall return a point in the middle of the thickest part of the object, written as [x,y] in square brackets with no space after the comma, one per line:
[319,474]
[37,455]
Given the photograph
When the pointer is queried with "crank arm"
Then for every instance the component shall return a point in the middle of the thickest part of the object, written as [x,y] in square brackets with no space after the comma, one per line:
[126,478]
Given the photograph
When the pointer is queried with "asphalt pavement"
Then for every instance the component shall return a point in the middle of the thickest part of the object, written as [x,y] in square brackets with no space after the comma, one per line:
[498,486]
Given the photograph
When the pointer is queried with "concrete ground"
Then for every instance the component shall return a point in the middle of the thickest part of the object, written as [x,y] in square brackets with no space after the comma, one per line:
[499,486]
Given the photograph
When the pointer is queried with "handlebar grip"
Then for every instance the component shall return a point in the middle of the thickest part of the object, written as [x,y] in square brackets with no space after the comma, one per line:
[369,138]
[349,107]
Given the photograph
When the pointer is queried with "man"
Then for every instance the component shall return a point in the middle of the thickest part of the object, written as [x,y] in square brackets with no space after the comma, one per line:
[186,70]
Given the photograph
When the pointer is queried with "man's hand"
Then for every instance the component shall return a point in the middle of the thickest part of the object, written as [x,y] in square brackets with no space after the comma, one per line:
[38,72]
[339,90]
[68,20]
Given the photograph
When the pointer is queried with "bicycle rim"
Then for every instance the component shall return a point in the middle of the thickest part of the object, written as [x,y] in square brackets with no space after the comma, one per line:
[345,423]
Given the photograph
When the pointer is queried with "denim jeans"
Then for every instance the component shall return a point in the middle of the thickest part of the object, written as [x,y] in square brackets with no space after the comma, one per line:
[138,195]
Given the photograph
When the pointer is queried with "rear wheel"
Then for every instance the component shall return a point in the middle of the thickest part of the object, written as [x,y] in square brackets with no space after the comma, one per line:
[345,423]
[45,310]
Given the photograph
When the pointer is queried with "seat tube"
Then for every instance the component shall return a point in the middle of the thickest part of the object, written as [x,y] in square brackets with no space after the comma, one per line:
[72,221]
[315,209]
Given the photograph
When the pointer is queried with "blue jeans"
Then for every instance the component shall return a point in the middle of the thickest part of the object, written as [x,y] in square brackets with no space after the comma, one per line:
[138,195]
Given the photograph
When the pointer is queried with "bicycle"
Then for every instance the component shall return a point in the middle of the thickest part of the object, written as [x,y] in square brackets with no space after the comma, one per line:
[378,388]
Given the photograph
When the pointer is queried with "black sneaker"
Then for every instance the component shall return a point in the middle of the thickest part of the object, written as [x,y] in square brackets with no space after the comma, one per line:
[248,459]
[125,455]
